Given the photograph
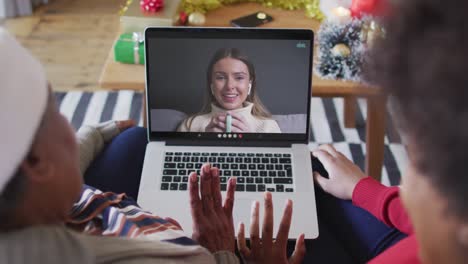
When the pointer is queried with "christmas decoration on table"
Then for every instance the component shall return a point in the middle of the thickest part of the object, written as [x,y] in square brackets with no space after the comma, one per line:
[344,38]
[196,19]
[311,7]
[130,49]
[182,19]
[151,6]
[137,15]
[374,8]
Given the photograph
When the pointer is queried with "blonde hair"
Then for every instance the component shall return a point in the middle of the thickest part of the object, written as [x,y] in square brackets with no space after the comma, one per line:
[258,110]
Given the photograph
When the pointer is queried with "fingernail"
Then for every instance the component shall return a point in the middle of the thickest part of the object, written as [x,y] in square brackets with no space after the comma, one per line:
[206,168]
[254,205]
[193,177]
[267,195]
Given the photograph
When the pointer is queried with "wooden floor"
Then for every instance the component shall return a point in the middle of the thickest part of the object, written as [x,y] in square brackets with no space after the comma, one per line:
[71,38]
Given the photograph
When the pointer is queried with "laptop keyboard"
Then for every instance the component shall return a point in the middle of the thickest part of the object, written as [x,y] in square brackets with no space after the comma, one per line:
[255,172]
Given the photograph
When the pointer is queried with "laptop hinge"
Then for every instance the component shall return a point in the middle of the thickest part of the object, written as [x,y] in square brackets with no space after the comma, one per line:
[211,143]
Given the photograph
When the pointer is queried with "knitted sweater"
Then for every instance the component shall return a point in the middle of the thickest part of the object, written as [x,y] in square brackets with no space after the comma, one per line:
[58,244]
[260,125]
[385,204]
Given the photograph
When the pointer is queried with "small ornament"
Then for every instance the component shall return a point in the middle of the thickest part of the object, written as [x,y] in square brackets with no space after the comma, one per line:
[181,18]
[327,6]
[369,7]
[151,6]
[340,15]
[341,50]
[196,19]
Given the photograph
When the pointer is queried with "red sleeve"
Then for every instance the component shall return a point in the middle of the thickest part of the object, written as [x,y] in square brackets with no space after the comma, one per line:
[383,202]
[403,252]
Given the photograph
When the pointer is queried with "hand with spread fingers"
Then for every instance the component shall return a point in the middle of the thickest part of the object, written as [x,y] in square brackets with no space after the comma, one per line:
[213,225]
[266,249]
[343,174]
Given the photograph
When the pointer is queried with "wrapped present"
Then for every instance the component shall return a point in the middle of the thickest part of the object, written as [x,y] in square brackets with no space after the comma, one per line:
[130,48]
[134,19]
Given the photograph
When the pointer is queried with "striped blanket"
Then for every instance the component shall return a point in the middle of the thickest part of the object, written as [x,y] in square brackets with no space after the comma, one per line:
[110,214]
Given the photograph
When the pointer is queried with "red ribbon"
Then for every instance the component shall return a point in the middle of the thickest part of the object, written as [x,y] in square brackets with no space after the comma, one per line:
[151,6]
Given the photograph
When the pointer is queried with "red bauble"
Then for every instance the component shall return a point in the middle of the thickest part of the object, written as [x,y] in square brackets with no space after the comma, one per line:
[183,18]
[151,5]
[368,7]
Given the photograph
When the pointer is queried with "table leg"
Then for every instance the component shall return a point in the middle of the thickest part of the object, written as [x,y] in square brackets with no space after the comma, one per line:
[350,104]
[375,144]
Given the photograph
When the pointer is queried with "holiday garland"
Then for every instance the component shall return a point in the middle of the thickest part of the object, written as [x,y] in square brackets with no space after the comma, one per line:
[311,7]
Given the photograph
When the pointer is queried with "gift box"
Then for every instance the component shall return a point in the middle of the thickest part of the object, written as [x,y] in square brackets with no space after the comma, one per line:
[133,19]
[130,48]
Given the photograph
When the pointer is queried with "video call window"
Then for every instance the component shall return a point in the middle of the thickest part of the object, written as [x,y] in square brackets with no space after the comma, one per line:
[229,86]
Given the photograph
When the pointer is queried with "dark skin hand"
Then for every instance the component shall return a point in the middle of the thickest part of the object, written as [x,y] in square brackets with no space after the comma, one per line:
[213,226]
[266,249]
[343,174]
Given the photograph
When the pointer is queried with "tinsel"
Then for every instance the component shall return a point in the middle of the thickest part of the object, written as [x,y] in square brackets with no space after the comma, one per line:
[311,7]
[124,7]
[330,66]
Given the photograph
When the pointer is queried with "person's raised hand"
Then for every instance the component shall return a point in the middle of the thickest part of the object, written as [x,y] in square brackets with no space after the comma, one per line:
[265,249]
[213,226]
[343,174]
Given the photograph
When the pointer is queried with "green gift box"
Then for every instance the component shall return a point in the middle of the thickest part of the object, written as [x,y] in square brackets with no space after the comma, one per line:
[130,48]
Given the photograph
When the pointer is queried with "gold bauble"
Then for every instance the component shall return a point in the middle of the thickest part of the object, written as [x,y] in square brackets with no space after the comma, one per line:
[196,19]
[341,50]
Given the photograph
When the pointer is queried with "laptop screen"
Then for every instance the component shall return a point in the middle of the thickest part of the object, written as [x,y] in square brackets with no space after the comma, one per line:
[228,85]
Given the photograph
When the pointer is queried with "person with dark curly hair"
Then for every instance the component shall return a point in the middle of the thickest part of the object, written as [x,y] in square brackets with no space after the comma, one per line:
[421,65]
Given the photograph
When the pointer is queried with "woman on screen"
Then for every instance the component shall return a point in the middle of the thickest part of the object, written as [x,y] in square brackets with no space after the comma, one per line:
[231,102]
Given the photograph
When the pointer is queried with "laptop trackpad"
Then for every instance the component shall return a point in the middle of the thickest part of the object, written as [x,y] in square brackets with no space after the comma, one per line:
[243,210]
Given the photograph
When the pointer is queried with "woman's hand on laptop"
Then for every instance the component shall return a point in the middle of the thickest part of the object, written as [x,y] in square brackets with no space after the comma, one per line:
[266,249]
[343,174]
[213,225]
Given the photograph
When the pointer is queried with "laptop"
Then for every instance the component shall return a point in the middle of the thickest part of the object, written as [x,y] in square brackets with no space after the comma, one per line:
[238,99]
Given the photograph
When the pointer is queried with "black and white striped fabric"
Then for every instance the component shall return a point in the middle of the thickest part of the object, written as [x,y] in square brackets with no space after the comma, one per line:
[326,119]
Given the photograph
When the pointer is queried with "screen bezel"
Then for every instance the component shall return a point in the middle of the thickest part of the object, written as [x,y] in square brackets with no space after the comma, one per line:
[207,138]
